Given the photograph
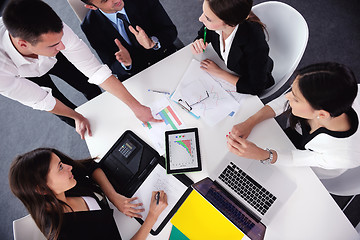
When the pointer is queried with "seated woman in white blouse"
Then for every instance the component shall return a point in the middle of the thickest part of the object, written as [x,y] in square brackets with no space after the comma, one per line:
[323,115]
[60,195]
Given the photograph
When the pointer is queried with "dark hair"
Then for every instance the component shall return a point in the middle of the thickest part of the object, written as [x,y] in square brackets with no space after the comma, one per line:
[327,86]
[234,12]
[28,181]
[29,19]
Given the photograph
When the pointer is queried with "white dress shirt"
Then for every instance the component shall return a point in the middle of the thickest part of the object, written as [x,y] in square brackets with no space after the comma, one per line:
[225,49]
[15,68]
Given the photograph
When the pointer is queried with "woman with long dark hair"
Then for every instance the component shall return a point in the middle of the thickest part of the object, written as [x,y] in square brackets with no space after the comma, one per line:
[66,203]
[238,37]
[323,115]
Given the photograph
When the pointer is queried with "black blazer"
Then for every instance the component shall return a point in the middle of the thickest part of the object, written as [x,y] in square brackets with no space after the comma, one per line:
[248,57]
[150,16]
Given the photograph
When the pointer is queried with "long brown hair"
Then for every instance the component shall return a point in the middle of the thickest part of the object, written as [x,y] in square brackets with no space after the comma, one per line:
[27,179]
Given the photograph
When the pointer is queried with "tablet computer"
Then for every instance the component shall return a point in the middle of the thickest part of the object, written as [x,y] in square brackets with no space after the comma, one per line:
[182,151]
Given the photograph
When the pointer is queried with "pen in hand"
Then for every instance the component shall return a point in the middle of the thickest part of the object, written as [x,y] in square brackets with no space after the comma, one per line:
[204,37]
[157,197]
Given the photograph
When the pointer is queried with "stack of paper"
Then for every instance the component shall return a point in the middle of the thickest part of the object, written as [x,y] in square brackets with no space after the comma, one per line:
[192,88]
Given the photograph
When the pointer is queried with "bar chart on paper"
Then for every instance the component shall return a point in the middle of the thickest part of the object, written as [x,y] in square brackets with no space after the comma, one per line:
[182,148]
[162,109]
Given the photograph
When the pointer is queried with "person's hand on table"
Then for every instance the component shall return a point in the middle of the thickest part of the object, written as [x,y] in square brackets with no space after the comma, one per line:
[125,205]
[143,113]
[211,67]
[245,148]
[198,46]
[156,209]
[82,126]
[142,37]
[123,55]
[242,129]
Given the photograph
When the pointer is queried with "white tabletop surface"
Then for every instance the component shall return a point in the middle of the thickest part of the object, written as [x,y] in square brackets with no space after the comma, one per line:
[310,213]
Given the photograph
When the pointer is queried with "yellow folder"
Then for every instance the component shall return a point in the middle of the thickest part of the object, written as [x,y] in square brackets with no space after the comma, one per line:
[199,220]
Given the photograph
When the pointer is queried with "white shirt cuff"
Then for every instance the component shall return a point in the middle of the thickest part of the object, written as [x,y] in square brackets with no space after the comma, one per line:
[48,103]
[126,67]
[100,75]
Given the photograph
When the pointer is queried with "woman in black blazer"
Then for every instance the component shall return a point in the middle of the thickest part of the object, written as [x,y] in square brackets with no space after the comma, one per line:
[238,37]
[60,196]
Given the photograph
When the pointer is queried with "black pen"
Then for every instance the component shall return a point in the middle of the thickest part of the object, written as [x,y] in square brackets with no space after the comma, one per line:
[157,197]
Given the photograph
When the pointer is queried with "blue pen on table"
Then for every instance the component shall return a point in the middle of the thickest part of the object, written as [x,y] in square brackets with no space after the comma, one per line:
[157,197]
[204,37]
[157,91]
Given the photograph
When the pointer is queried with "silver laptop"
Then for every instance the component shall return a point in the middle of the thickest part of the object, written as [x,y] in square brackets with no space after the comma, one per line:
[261,189]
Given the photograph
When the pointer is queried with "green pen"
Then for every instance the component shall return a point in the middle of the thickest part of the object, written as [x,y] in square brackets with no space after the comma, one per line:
[204,37]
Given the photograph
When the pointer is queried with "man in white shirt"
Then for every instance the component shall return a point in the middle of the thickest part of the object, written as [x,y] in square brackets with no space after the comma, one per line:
[31,37]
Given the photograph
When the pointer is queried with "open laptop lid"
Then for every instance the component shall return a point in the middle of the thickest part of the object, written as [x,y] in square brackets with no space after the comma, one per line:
[267,176]
[232,209]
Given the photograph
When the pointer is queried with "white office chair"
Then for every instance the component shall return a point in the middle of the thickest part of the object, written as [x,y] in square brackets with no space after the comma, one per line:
[347,184]
[288,36]
[25,229]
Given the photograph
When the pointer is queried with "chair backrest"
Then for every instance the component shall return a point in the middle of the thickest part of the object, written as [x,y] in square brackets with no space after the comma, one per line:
[347,184]
[25,229]
[288,36]
[78,8]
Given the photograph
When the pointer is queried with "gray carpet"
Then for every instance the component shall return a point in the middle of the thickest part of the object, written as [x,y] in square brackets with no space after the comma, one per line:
[334,36]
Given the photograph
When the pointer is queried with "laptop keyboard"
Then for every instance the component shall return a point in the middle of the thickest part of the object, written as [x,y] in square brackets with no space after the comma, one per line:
[251,191]
[228,209]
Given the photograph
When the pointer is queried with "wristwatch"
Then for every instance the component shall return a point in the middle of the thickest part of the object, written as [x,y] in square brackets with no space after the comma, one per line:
[269,159]
[156,46]
[157,43]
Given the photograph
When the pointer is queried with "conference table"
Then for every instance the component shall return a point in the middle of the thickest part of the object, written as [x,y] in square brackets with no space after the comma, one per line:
[310,213]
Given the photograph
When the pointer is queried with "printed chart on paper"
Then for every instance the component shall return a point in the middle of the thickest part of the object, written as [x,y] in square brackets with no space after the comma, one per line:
[162,109]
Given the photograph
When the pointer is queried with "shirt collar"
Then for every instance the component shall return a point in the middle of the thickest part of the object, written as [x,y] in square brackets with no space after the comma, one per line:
[112,16]
[13,53]
[231,36]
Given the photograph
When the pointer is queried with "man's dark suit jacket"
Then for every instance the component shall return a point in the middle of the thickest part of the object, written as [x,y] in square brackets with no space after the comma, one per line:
[150,16]
[248,57]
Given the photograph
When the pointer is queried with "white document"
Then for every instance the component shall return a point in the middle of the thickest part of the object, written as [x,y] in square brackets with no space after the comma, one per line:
[213,109]
[211,54]
[156,181]
[162,109]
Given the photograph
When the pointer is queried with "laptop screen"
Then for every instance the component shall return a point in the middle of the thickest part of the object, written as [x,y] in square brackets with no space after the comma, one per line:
[230,208]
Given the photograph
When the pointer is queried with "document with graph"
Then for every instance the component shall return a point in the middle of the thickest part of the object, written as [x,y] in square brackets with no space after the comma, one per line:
[199,93]
[162,109]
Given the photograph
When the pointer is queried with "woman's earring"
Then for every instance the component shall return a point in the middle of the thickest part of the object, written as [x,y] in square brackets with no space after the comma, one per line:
[318,117]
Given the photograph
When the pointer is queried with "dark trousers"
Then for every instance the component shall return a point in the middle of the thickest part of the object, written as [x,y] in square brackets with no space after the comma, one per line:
[70,74]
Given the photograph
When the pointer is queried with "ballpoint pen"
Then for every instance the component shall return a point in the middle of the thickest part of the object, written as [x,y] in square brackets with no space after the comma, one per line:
[157,197]
[204,37]
[157,91]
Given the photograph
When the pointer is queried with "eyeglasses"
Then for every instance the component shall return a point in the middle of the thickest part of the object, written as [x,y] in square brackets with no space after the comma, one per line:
[188,107]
